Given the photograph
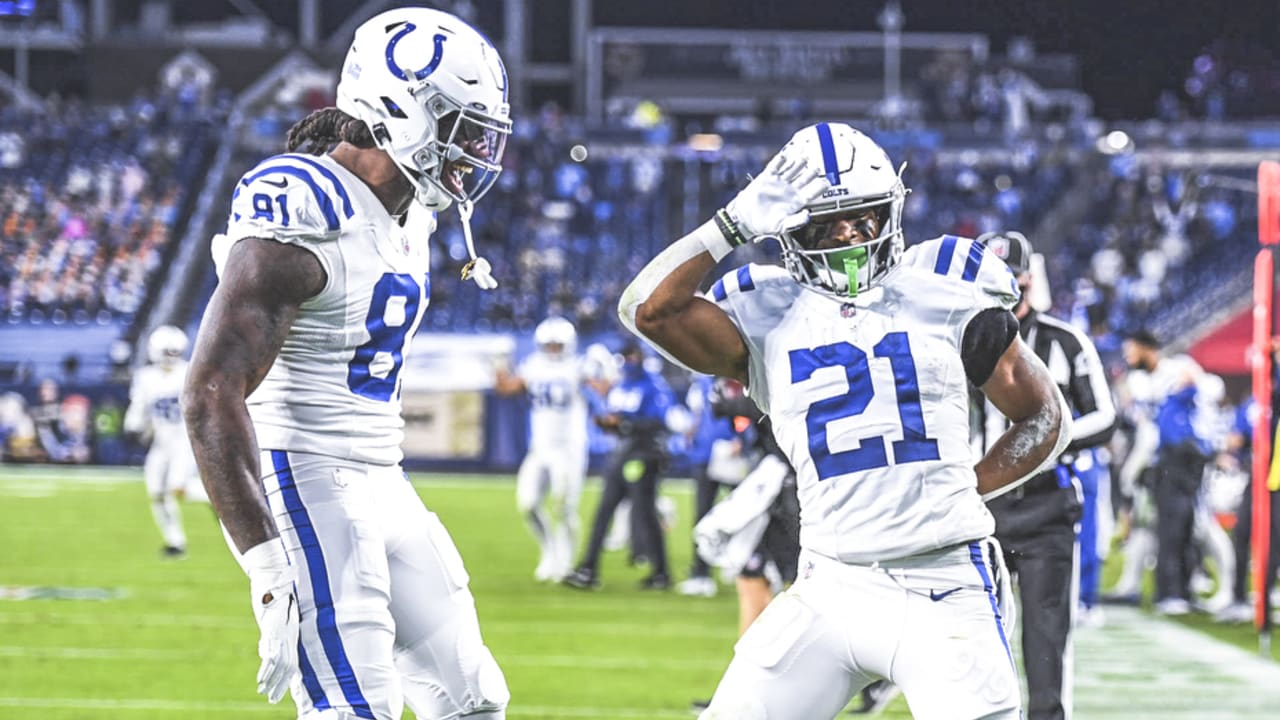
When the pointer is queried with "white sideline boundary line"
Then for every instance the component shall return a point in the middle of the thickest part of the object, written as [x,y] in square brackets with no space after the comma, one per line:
[1226,659]
[147,705]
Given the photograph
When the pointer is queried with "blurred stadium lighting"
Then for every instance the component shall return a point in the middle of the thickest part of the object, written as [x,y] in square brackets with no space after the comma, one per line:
[1115,142]
[706,142]
[578,153]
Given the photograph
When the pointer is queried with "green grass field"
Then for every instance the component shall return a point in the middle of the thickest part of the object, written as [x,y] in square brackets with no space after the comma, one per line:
[175,639]
[181,643]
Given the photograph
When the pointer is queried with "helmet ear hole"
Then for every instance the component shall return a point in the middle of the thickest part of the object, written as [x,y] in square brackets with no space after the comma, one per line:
[393,109]
[380,134]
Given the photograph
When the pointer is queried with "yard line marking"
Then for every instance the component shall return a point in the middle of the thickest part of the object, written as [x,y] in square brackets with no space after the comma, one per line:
[145,705]
[610,604]
[137,704]
[81,653]
[563,661]
[613,663]
[42,477]
[27,488]
[544,627]
[53,619]
[567,627]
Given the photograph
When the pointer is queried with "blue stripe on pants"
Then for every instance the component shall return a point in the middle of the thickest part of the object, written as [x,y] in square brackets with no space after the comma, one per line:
[310,681]
[975,554]
[326,618]
[1090,564]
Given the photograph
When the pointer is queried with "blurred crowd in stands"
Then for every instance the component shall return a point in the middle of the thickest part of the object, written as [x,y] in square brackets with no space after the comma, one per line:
[1152,242]
[65,428]
[1233,79]
[90,201]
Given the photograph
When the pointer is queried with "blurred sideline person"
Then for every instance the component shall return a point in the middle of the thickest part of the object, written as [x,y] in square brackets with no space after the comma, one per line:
[753,535]
[1037,523]
[549,481]
[859,353]
[637,413]
[1237,455]
[713,440]
[155,416]
[61,424]
[294,388]
[1171,400]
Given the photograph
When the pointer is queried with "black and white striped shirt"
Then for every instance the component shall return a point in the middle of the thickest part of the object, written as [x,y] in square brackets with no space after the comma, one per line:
[1074,364]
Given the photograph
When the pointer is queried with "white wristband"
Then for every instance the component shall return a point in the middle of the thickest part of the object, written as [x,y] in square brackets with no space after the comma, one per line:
[264,558]
[713,240]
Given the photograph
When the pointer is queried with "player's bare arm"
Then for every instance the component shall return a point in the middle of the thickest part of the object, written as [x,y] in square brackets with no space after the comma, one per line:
[508,383]
[696,332]
[244,327]
[662,303]
[1040,427]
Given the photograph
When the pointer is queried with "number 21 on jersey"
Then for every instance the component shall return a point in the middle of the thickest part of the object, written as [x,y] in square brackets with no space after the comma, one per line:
[915,445]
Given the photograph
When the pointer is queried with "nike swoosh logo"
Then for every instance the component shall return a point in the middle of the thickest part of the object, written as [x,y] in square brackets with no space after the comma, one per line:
[936,596]
[283,182]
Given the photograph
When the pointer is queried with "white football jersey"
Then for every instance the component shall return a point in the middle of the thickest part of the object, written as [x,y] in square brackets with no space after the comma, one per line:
[558,415]
[155,404]
[334,389]
[869,397]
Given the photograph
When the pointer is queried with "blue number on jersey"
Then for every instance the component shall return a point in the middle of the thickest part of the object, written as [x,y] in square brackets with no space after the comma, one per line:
[870,454]
[383,339]
[552,394]
[262,208]
[167,409]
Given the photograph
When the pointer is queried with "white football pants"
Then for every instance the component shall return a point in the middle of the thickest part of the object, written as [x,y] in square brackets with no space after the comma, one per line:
[931,625]
[170,467]
[386,614]
[554,477]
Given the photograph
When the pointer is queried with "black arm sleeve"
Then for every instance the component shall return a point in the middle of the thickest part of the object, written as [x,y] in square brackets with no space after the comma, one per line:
[986,337]
[738,405]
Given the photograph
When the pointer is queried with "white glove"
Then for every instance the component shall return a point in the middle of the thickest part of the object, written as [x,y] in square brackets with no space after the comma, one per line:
[710,541]
[275,607]
[773,201]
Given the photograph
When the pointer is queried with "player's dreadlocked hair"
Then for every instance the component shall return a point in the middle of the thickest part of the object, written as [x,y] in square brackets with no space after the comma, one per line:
[317,132]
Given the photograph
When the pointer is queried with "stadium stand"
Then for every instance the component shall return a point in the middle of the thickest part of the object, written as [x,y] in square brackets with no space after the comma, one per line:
[91,198]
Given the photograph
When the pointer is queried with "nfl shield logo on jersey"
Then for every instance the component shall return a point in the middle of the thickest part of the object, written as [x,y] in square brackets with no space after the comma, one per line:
[847,310]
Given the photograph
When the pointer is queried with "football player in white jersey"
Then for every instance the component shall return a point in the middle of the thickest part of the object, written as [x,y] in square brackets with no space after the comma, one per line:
[155,415]
[552,472]
[861,353]
[293,397]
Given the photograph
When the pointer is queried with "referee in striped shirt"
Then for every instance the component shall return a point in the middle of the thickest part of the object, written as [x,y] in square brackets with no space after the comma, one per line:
[1036,523]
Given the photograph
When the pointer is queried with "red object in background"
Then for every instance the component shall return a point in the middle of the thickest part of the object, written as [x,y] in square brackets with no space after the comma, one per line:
[1263,332]
[1226,350]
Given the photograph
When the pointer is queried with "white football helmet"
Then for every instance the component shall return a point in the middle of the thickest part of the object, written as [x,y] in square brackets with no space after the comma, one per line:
[555,330]
[433,91]
[866,192]
[166,345]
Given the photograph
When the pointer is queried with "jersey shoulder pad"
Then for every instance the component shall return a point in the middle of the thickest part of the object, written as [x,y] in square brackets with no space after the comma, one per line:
[755,297]
[289,198]
[754,284]
[965,267]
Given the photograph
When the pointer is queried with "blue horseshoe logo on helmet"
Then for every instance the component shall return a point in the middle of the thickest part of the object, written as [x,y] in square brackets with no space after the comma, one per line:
[430,67]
